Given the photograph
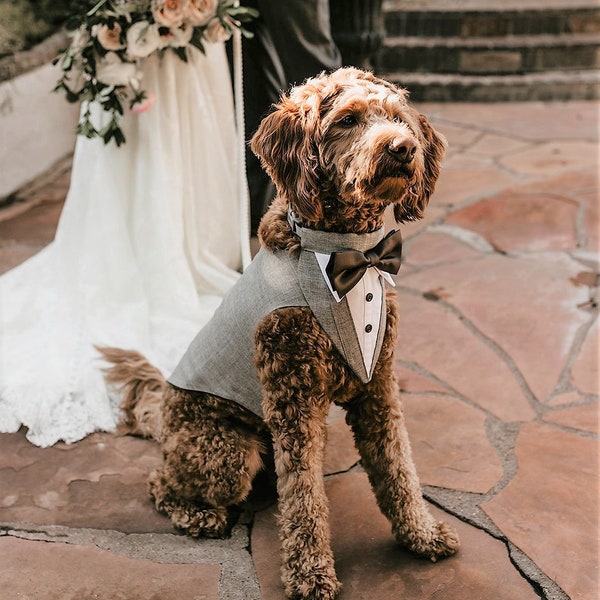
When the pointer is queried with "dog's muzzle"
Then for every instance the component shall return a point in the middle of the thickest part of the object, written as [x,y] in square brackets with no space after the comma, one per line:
[402,149]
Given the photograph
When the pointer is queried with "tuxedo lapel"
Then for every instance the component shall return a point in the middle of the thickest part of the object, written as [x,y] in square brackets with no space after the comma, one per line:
[334,317]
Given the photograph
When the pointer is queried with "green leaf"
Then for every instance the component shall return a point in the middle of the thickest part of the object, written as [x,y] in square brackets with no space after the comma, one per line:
[196,41]
[66,62]
[119,137]
[138,97]
[112,131]
[181,53]
[72,97]
[106,131]
[86,129]
[96,8]
[243,12]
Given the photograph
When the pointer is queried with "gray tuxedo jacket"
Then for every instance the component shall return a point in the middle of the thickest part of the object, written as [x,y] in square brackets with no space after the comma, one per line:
[220,361]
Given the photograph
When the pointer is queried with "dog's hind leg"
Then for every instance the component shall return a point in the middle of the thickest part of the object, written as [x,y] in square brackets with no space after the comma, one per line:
[210,461]
[377,421]
[195,518]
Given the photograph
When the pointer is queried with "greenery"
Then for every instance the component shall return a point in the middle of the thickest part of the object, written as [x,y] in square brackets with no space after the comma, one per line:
[24,23]
[111,38]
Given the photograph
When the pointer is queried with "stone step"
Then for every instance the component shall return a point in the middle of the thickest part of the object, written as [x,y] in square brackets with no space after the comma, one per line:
[479,18]
[492,50]
[493,55]
[552,85]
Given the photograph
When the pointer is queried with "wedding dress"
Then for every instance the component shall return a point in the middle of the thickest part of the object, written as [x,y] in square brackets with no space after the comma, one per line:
[147,244]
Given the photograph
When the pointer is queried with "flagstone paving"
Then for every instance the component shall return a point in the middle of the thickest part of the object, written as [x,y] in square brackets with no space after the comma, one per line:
[497,360]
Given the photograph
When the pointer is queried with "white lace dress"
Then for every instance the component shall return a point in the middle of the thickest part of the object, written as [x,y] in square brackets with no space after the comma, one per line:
[147,244]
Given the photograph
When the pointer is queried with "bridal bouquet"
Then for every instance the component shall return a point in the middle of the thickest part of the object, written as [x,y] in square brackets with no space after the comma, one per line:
[113,36]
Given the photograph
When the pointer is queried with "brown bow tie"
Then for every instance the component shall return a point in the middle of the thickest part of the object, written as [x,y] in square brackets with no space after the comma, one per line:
[345,269]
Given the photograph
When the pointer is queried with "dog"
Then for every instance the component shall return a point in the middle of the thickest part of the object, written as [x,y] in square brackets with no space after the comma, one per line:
[341,149]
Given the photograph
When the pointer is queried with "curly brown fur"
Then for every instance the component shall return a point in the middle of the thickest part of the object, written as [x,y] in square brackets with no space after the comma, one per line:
[142,388]
[212,450]
[212,453]
[274,231]
[296,414]
[329,148]
[341,149]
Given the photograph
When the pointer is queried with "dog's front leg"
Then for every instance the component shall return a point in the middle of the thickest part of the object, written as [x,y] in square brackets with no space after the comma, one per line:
[377,421]
[290,360]
[308,570]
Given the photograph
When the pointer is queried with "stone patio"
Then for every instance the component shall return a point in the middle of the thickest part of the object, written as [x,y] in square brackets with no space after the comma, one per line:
[498,359]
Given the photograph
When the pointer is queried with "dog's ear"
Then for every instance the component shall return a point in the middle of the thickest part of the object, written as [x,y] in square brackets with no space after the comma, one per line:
[285,145]
[434,147]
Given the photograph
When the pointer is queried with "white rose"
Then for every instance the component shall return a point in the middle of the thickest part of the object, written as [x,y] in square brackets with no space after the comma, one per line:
[215,32]
[109,37]
[200,12]
[169,13]
[181,36]
[142,39]
[111,70]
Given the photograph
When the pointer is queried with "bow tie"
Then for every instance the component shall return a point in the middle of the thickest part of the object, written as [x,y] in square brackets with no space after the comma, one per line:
[345,269]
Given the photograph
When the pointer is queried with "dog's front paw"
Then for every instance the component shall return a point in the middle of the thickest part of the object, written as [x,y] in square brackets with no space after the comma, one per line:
[441,540]
[312,586]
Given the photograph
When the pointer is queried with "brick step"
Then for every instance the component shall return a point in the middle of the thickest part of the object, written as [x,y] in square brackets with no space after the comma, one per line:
[493,55]
[552,85]
[479,18]
[492,50]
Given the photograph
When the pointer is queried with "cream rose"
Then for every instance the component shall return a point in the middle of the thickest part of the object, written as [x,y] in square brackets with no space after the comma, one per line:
[169,13]
[111,70]
[142,39]
[109,37]
[200,12]
[215,32]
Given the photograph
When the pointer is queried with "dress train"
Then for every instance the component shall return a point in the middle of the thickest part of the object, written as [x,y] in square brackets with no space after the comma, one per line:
[147,245]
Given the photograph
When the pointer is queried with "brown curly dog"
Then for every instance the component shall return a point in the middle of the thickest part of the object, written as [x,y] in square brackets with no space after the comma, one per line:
[340,148]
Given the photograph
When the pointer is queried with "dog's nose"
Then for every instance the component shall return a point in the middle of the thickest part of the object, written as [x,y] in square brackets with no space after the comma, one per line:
[402,149]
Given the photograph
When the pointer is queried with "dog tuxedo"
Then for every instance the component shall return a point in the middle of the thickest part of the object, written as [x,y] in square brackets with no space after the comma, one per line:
[219,360]
[307,325]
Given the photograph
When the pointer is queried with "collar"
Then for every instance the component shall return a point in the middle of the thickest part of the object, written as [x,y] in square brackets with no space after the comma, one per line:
[326,242]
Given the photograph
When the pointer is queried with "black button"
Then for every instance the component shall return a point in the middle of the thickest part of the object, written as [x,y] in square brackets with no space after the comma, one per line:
[369,328]
[369,297]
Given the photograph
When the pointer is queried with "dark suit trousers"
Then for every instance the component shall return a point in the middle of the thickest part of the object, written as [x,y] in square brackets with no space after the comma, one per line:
[292,42]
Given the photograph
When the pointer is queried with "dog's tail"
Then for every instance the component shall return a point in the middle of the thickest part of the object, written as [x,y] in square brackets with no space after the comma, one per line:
[142,386]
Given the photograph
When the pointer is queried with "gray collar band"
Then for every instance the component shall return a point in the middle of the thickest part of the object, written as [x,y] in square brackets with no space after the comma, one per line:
[326,242]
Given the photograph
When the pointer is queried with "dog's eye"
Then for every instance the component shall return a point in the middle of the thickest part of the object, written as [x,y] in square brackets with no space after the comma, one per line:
[397,119]
[348,121]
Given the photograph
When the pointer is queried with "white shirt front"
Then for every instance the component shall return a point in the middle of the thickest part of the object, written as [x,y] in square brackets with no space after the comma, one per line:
[364,300]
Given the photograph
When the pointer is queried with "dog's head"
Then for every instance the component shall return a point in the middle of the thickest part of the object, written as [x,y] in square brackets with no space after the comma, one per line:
[342,147]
